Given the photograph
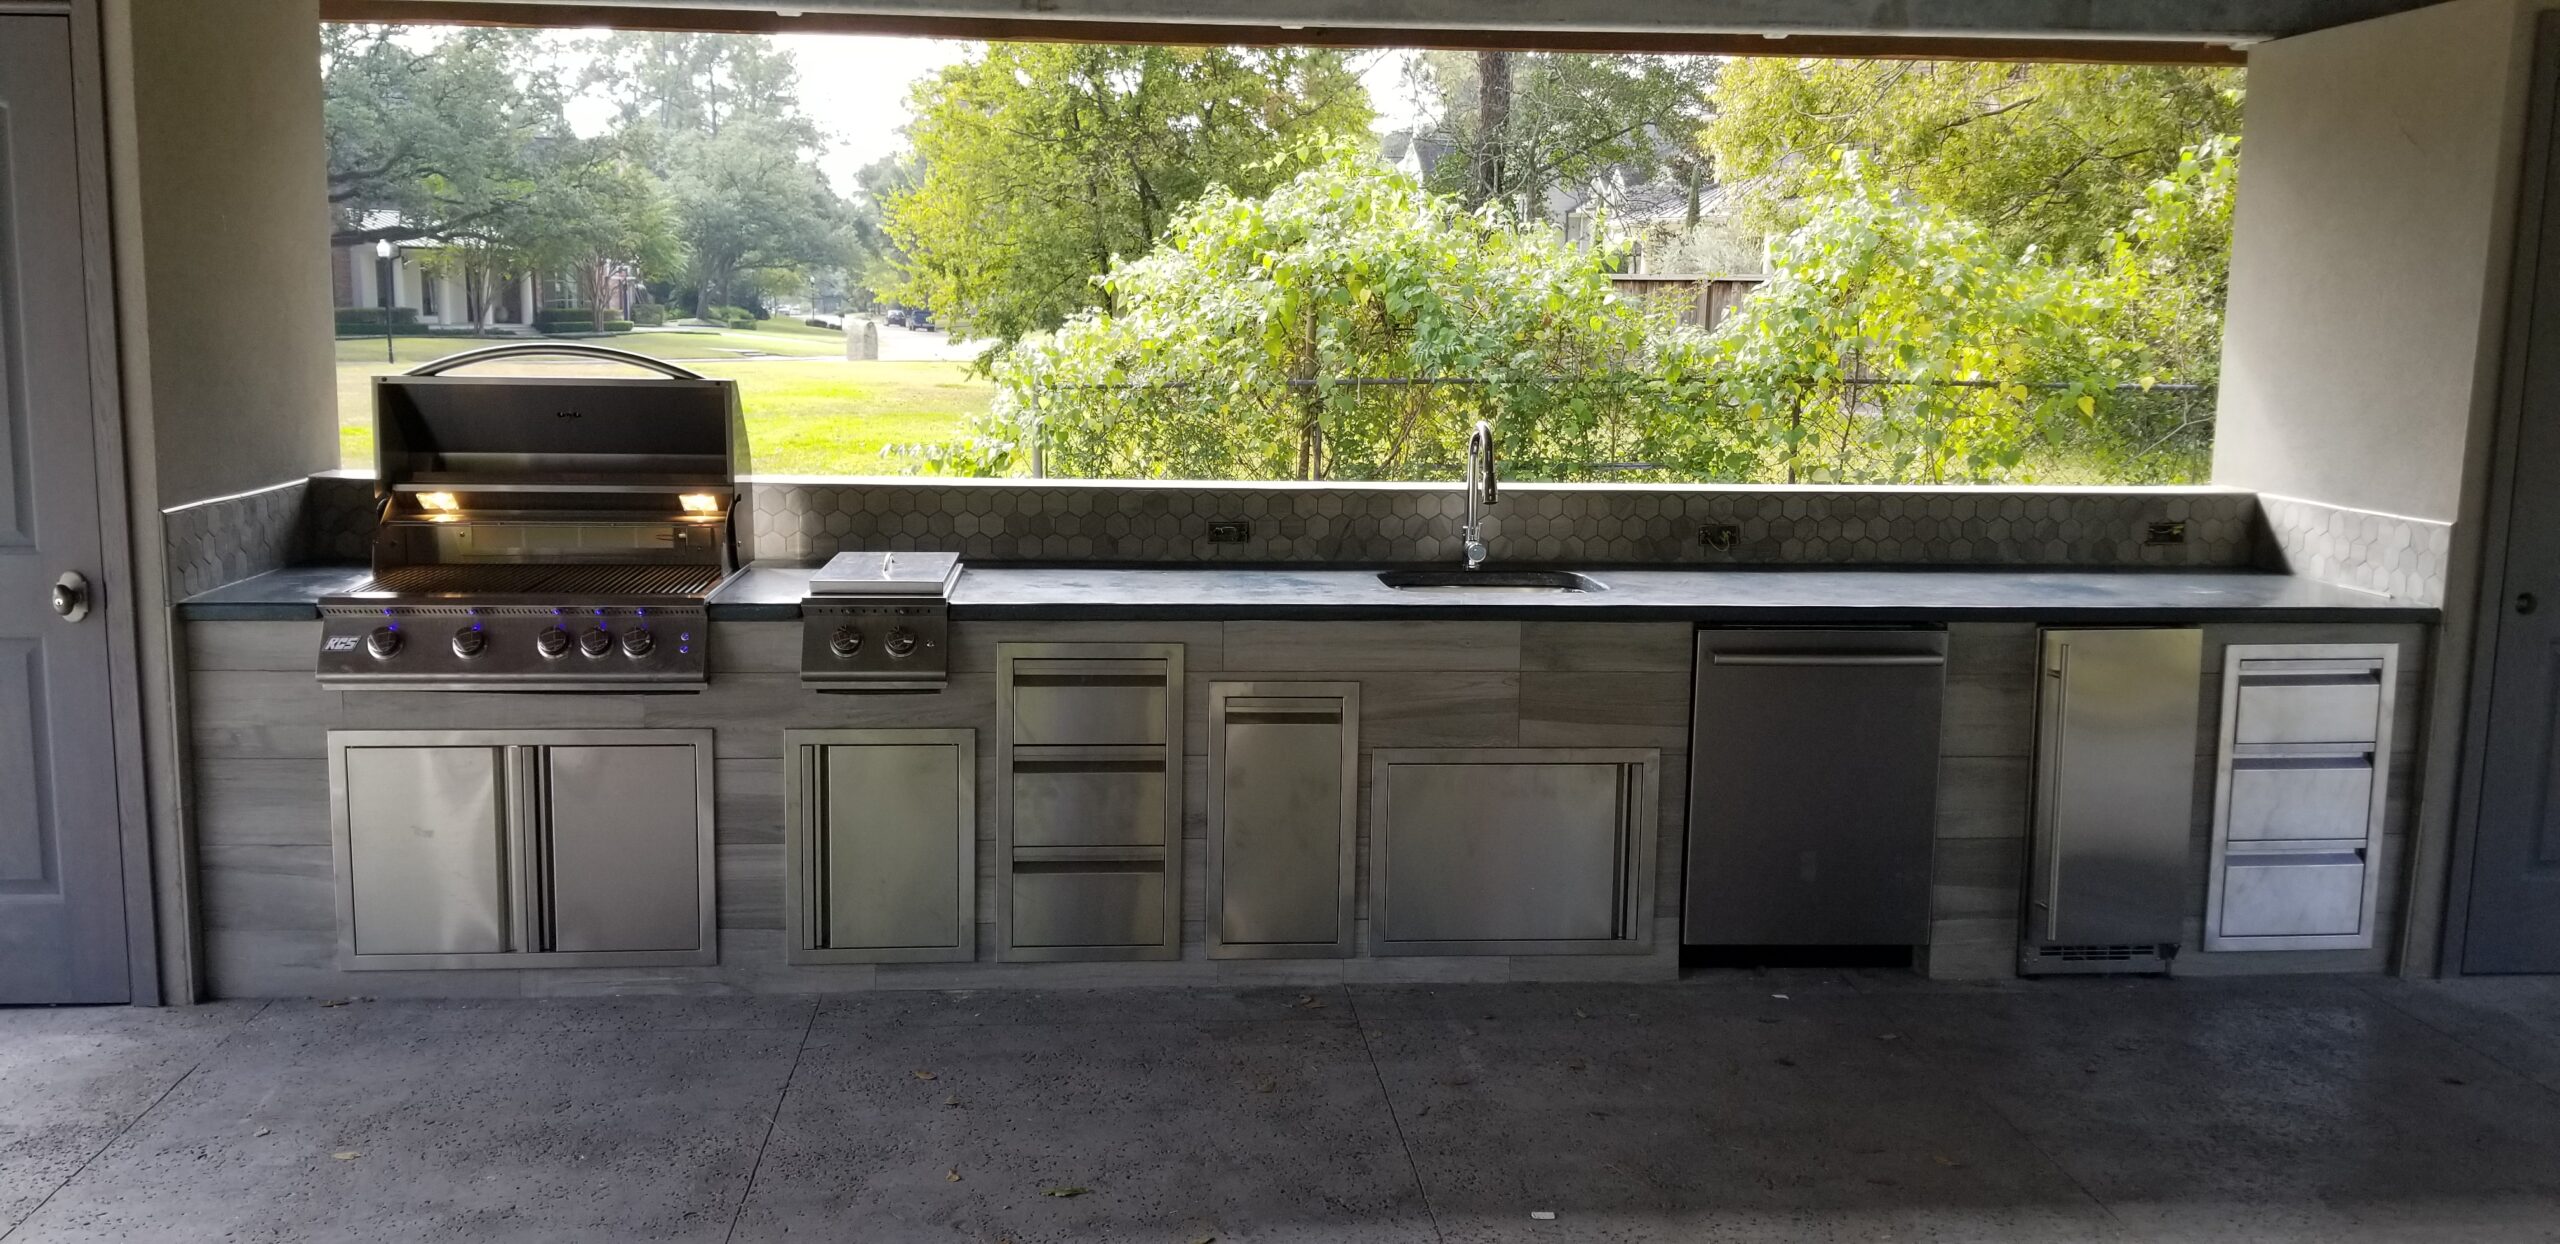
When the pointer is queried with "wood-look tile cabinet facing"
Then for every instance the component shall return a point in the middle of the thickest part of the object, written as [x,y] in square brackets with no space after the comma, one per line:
[1089,790]
[1283,819]
[2302,777]
[508,848]
[880,846]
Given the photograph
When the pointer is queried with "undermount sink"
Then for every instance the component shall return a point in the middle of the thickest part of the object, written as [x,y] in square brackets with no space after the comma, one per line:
[1523,581]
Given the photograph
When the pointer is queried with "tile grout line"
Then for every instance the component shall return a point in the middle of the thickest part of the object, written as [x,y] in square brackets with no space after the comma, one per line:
[807,1027]
[136,1120]
[1351,1002]
[1876,1003]
[2378,993]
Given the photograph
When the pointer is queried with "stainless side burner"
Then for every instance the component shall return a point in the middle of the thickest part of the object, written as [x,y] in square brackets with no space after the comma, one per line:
[879,622]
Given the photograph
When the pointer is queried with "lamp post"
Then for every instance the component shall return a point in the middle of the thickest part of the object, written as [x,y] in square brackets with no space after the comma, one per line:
[382,251]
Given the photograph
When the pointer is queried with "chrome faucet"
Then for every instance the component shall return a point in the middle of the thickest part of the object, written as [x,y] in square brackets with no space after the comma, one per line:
[1483,487]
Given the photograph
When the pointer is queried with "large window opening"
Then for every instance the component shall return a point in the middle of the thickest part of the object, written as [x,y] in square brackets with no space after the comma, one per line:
[1164,262]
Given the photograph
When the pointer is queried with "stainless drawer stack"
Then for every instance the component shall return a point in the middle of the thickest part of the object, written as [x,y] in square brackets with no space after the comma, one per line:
[1089,790]
[2300,787]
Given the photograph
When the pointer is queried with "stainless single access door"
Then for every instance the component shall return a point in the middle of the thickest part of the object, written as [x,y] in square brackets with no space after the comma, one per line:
[62,913]
[1283,814]
[2116,754]
[1813,787]
[425,849]
[620,843]
[881,843]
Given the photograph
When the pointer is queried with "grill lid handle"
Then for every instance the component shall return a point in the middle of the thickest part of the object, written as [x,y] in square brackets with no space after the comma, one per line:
[436,367]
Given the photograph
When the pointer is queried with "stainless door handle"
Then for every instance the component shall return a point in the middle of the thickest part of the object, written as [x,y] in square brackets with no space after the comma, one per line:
[71,596]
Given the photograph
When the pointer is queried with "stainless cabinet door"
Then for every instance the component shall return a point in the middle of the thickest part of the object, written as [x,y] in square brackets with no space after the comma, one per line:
[1282,813]
[1504,851]
[425,850]
[883,845]
[620,847]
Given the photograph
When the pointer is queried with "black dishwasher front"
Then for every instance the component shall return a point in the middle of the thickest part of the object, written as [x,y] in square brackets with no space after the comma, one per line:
[1813,787]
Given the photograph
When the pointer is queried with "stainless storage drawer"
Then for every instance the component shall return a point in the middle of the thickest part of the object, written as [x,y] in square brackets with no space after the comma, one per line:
[621,837]
[1080,905]
[1081,702]
[2305,894]
[880,846]
[2322,702]
[426,850]
[1088,803]
[1283,789]
[2294,798]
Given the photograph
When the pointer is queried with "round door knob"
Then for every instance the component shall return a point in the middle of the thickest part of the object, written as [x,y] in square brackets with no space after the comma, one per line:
[384,641]
[900,642]
[637,642]
[596,643]
[470,642]
[846,641]
[552,643]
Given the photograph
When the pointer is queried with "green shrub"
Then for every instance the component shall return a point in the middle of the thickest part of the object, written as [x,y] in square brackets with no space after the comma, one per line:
[358,321]
[746,323]
[648,313]
[722,315]
[572,318]
[617,326]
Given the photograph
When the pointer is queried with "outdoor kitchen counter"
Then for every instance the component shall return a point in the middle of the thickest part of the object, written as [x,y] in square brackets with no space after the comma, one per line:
[768,592]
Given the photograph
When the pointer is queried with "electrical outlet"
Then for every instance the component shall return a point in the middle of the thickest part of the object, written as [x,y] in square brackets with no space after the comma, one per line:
[1719,537]
[1232,532]
[2171,532]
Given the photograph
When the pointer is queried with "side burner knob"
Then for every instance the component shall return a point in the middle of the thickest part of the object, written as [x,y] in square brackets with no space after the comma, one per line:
[900,642]
[846,641]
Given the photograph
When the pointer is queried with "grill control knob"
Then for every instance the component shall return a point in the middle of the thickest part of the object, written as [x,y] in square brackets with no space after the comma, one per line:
[637,642]
[900,642]
[470,642]
[596,643]
[846,641]
[553,642]
[384,641]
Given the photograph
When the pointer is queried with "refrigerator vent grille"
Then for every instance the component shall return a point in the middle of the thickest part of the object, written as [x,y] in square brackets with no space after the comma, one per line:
[2099,954]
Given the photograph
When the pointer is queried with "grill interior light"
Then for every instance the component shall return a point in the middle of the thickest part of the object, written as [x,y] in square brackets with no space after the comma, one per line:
[699,503]
[442,502]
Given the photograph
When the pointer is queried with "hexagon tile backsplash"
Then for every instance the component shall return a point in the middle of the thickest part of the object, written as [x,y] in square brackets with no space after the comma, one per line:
[2404,558]
[1055,520]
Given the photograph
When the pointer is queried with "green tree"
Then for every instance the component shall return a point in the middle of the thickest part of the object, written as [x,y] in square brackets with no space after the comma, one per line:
[608,224]
[2054,156]
[433,136]
[1041,163]
[750,201]
[1254,341]
[1524,123]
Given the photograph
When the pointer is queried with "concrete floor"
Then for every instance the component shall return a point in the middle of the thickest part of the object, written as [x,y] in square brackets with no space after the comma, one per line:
[1801,1106]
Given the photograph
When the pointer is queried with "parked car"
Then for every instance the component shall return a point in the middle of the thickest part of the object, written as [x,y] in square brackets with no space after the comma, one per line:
[897,317]
[920,320]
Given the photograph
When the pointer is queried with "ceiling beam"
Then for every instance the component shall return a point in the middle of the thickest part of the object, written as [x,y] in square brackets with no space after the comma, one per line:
[1713,25]
[883,20]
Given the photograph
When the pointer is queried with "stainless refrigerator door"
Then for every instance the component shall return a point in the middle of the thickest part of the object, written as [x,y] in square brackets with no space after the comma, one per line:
[1813,787]
[2116,751]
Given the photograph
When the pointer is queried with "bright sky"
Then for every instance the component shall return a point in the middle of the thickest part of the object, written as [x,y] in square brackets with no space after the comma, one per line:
[856,86]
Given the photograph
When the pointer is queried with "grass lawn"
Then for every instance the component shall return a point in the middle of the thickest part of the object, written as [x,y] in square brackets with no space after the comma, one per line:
[804,416]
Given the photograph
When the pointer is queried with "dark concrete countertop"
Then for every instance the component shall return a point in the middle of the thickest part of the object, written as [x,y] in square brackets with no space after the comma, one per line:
[768,592]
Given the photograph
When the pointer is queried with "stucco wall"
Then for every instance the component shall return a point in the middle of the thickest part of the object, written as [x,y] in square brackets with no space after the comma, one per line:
[232,198]
[2367,269]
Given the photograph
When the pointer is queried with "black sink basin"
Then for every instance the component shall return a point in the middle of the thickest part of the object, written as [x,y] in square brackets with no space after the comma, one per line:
[1539,581]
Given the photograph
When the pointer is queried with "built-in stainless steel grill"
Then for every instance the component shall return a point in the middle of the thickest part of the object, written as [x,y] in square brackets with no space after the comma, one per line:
[543,533]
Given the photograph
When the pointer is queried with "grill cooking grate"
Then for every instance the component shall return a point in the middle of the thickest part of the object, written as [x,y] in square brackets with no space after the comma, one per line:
[517,580]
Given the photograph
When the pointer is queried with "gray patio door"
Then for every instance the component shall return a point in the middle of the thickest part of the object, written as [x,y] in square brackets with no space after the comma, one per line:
[62,918]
